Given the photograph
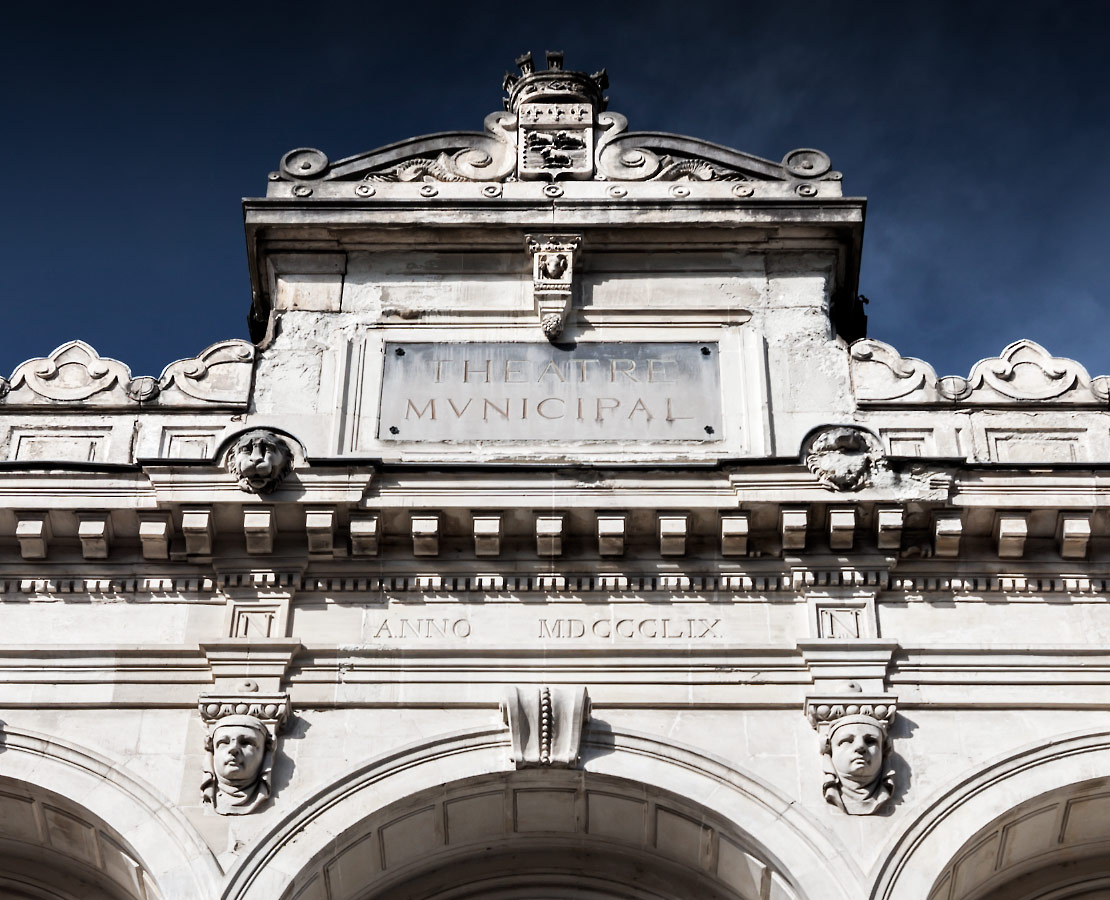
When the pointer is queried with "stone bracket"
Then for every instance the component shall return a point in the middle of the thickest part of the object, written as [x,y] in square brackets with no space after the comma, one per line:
[248,666]
[821,710]
[545,724]
[848,666]
[271,709]
[553,278]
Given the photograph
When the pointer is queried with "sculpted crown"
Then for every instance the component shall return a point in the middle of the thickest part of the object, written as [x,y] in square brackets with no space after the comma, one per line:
[554,84]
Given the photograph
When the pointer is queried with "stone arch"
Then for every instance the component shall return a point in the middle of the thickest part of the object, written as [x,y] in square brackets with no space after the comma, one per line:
[946,852]
[112,820]
[747,833]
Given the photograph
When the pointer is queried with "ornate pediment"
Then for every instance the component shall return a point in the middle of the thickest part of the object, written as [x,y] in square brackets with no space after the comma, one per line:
[1023,373]
[76,374]
[555,127]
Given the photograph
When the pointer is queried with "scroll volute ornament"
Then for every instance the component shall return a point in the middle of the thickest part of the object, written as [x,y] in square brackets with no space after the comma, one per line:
[545,724]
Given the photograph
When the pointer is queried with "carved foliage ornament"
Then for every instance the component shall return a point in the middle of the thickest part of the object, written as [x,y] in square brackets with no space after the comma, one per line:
[555,128]
[259,460]
[843,457]
[854,737]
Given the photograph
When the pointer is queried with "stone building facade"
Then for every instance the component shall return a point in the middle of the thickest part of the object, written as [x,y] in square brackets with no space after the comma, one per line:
[559,534]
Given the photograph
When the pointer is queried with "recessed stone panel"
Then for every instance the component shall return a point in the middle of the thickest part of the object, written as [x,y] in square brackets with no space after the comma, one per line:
[539,392]
[537,810]
[682,838]
[409,837]
[1087,820]
[1030,835]
[976,866]
[475,817]
[17,819]
[740,870]
[70,835]
[353,868]
[616,817]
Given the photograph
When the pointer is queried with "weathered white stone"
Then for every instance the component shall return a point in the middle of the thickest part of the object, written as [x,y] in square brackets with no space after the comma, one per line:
[155,532]
[1074,535]
[549,535]
[487,535]
[320,528]
[611,535]
[259,529]
[425,535]
[672,535]
[364,535]
[196,525]
[842,528]
[778,515]
[33,532]
[793,524]
[734,535]
[1010,534]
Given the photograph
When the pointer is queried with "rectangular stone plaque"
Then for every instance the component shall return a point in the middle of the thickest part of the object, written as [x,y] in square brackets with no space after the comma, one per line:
[610,391]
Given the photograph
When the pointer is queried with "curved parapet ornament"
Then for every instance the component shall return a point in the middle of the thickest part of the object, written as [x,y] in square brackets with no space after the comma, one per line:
[556,127]
[659,156]
[813,859]
[447,156]
[169,849]
[73,373]
[220,374]
[918,854]
[881,374]
[1024,370]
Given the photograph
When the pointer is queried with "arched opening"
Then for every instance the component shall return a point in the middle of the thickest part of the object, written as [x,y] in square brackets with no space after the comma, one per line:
[54,849]
[398,819]
[1055,846]
[542,834]
[122,841]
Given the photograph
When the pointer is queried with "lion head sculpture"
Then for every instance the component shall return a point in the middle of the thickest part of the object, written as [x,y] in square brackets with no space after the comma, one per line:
[259,461]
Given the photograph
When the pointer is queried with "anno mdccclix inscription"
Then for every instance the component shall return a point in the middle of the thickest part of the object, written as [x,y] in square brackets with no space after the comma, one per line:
[593,391]
[616,629]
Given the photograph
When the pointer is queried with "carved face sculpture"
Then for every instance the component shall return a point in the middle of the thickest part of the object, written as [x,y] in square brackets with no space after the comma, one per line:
[856,777]
[857,752]
[260,460]
[237,780]
[843,458]
[238,752]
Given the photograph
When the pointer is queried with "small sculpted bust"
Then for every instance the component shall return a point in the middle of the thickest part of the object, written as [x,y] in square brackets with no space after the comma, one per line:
[260,460]
[240,759]
[856,750]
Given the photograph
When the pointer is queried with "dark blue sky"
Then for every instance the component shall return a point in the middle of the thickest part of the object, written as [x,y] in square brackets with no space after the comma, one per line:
[978,131]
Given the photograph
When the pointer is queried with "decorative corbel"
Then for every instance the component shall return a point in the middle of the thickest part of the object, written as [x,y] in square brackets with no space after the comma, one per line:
[854,738]
[545,724]
[241,739]
[553,278]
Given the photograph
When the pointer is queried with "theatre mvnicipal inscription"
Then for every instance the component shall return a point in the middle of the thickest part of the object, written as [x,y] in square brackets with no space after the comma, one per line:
[515,391]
